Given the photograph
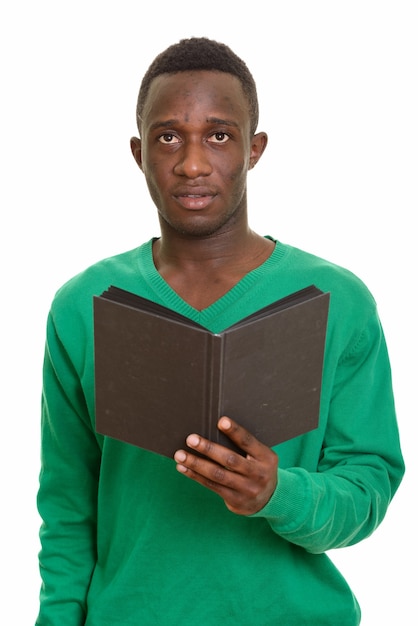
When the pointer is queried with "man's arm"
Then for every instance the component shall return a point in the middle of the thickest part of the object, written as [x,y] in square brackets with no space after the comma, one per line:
[359,468]
[67,497]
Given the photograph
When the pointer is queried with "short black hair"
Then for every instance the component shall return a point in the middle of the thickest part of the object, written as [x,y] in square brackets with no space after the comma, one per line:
[200,53]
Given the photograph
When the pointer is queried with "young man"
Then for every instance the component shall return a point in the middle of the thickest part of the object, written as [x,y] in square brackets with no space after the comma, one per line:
[131,537]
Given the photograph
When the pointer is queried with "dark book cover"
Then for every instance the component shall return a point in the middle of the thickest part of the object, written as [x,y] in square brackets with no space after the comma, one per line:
[160,376]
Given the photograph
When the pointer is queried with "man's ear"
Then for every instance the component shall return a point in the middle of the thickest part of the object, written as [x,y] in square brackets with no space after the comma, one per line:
[136,150]
[258,145]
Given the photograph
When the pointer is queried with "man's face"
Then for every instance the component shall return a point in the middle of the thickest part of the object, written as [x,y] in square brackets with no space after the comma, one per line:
[196,149]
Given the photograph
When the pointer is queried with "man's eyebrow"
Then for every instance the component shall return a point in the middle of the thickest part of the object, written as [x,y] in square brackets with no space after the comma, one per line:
[164,124]
[174,122]
[218,120]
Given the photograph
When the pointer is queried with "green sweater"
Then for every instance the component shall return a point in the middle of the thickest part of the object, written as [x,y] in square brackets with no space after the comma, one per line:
[128,540]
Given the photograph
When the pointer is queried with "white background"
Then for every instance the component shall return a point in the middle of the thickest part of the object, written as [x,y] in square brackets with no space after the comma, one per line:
[338,92]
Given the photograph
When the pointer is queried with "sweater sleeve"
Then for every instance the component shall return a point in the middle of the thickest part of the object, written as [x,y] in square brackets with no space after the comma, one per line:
[360,465]
[67,497]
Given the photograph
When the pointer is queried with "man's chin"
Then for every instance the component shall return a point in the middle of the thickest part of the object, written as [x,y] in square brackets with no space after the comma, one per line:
[196,229]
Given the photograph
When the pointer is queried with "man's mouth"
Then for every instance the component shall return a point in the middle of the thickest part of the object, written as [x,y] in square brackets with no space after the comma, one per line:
[195,201]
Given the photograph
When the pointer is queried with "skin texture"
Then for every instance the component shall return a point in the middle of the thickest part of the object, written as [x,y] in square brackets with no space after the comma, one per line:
[195,151]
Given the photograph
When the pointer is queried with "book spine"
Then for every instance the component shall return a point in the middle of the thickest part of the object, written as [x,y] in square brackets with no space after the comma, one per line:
[214,387]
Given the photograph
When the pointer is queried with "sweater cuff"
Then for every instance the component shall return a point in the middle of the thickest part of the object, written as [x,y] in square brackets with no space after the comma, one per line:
[288,504]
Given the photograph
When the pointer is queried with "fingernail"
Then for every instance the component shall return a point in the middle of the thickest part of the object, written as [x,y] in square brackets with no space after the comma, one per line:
[193,441]
[225,423]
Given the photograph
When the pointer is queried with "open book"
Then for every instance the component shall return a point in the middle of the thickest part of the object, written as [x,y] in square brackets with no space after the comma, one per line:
[159,376]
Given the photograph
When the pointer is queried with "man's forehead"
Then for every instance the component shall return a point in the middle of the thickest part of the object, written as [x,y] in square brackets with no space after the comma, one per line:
[199,85]
[195,77]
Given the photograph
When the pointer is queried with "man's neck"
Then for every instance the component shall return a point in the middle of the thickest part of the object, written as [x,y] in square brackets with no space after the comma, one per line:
[201,270]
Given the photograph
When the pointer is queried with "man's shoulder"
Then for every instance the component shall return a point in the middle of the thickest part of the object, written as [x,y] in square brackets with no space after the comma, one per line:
[346,287]
[94,279]
[319,268]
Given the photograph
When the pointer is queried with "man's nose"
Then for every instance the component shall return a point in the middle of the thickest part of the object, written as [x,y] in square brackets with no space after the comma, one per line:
[193,160]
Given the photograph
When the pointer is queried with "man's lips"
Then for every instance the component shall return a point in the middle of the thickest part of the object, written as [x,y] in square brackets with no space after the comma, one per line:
[195,199]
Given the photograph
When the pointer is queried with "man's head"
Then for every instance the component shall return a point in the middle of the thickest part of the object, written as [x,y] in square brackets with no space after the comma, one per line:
[200,53]
[197,113]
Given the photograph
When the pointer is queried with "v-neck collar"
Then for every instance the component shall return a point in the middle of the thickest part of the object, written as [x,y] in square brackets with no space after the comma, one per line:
[169,298]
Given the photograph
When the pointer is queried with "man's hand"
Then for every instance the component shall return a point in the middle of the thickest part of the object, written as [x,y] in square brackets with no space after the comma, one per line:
[245,483]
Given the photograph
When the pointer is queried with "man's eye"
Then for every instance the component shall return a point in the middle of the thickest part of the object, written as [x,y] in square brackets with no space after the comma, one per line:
[219,137]
[168,138]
